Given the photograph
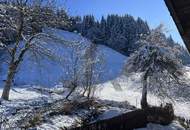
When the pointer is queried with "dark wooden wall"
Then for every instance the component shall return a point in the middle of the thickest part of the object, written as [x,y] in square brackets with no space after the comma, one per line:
[135,119]
[180,12]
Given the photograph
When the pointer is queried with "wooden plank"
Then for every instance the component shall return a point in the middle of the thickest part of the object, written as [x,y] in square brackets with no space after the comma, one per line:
[135,119]
[173,7]
[181,3]
[183,11]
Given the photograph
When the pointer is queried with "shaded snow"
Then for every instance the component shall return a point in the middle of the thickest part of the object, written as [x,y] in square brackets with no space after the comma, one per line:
[173,126]
[47,72]
[58,122]
[114,62]
[112,112]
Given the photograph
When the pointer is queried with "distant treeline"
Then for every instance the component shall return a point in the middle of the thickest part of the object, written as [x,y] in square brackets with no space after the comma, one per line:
[120,33]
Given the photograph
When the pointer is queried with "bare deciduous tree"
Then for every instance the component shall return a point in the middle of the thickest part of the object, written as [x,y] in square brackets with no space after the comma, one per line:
[74,66]
[84,68]
[92,69]
[22,22]
[159,64]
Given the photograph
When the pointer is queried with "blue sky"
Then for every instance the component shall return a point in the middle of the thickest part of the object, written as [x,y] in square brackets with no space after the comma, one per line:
[153,11]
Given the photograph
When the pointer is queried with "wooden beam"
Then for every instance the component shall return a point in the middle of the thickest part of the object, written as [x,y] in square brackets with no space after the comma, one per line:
[173,6]
[134,119]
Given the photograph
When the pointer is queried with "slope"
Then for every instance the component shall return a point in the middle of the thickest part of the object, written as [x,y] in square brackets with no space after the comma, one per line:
[49,71]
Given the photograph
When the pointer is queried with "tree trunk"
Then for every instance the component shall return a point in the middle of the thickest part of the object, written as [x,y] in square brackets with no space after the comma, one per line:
[13,65]
[74,86]
[12,70]
[89,92]
[144,102]
[8,83]
[85,89]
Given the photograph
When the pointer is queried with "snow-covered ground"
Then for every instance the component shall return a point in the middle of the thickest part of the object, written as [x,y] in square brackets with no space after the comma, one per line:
[24,105]
[129,89]
[172,126]
[46,73]
[24,100]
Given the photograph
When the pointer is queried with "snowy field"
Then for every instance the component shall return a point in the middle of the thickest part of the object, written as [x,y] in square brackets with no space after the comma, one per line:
[32,98]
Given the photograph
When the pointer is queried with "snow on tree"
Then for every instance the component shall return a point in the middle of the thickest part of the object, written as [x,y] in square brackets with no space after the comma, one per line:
[84,67]
[160,67]
[74,65]
[19,17]
[93,64]
[117,32]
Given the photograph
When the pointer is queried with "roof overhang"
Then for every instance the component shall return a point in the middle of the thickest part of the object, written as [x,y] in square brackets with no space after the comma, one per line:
[180,12]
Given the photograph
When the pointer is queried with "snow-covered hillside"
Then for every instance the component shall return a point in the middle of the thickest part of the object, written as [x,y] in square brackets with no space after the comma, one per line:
[47,72]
